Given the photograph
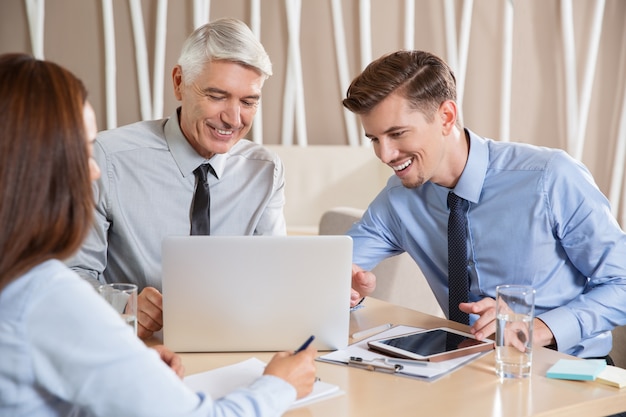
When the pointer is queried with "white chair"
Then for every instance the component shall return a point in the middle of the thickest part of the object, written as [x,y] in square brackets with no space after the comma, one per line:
[399,279]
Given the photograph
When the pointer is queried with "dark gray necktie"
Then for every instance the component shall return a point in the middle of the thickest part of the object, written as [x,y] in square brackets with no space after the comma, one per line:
[201,206]
[458,277]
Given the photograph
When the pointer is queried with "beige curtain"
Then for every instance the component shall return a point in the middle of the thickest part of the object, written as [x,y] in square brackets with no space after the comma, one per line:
[546,72]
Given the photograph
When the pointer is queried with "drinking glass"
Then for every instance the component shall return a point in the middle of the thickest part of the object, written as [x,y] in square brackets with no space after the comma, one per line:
[515,311]
[123,298]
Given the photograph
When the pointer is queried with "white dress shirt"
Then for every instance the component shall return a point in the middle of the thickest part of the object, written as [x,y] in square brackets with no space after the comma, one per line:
[146,190]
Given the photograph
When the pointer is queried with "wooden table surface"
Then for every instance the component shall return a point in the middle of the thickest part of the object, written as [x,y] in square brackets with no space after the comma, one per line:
[472,390]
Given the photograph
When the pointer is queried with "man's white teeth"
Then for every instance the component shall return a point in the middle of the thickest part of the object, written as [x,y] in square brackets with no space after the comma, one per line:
[224,132]
[401,167]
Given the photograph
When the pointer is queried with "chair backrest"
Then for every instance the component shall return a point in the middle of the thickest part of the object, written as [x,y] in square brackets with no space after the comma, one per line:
[618,353]
[318,178]
[399,279]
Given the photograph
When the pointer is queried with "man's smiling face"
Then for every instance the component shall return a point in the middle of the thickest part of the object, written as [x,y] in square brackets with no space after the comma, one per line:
[406,140]
[218,106]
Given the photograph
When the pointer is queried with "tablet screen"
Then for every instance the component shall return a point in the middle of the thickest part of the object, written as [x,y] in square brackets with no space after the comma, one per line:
[431,342]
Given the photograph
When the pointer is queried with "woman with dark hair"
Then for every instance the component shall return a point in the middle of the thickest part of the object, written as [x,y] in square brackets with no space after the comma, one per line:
[64,350]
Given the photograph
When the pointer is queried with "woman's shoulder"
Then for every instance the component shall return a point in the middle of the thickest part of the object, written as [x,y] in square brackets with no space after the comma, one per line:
[40,279]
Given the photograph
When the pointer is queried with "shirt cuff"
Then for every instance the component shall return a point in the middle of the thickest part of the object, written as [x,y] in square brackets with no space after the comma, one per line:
[283,394]
[564,326]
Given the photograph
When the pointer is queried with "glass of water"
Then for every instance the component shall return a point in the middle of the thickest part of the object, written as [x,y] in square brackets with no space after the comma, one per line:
[123,298]
[515,311]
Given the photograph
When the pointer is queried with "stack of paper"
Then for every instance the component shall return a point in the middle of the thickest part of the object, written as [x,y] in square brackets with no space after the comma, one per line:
[588,370]
[577,369]
[221,381]
[410,368]
[613,376]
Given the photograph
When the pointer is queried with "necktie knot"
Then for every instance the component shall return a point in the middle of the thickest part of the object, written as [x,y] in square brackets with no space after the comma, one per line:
[456,203]
[202,171]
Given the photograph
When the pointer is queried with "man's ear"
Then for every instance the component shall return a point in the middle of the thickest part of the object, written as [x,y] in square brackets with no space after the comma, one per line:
[177,81]
[448,114]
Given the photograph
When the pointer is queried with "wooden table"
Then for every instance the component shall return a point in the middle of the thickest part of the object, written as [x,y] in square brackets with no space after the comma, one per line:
[472,390]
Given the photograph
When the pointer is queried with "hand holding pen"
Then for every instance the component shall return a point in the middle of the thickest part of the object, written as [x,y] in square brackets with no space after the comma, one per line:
[297,368]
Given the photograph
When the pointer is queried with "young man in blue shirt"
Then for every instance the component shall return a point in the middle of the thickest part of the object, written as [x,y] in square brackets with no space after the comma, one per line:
[535,216]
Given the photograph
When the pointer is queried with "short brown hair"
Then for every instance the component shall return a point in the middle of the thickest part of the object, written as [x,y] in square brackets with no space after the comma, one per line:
[46,199]
[424,79]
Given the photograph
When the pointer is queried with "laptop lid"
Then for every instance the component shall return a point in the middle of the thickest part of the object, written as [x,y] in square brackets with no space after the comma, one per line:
[256,293]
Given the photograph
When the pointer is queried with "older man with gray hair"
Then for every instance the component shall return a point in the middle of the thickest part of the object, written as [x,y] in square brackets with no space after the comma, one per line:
[189,173]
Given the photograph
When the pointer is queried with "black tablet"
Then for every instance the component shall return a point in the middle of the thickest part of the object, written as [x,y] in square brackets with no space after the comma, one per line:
[433,345]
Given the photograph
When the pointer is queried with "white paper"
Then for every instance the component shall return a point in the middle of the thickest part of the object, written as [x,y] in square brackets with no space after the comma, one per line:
[221,381]
[427,370]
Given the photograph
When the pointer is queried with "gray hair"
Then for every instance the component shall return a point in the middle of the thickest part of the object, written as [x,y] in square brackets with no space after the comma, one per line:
[222,40]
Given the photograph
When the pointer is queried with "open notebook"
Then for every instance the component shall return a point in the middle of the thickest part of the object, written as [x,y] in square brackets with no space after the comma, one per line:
[221,381]
[256,293]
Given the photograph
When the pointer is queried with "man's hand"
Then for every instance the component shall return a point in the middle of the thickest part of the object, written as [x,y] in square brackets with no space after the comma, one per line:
[149,312]
[171,359]
[363,284]
[542,335]
[298,370]
[485,325]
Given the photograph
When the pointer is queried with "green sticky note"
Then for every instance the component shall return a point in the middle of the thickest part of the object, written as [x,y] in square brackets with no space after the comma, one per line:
[576,369]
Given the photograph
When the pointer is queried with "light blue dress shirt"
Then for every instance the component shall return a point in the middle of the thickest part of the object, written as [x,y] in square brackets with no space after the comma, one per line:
[536,218]
[65,352]
[146,190]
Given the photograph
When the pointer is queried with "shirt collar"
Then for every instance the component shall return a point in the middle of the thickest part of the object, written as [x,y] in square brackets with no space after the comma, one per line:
[471,182]
[185,156]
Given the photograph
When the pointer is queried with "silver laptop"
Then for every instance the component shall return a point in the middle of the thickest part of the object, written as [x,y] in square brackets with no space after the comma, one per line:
[256,293]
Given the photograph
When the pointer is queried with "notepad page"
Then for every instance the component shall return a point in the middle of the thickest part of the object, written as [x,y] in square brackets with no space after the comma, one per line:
[222,381]
[613,376]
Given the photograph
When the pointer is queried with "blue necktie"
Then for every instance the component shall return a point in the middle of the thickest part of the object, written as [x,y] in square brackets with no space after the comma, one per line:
[458,277]
[200,209]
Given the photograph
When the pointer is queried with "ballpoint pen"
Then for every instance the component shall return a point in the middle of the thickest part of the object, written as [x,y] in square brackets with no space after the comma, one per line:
[304,345]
